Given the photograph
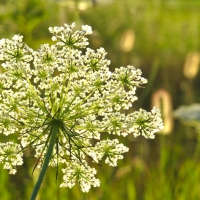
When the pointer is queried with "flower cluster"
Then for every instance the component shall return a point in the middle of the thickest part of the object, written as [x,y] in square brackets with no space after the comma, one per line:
[61,97]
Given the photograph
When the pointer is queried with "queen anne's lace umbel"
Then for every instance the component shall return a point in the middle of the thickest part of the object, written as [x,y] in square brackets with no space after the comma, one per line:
[61,84]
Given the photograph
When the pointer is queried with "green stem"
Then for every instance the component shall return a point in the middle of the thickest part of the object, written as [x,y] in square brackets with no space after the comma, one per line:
[53,132]
[151,79]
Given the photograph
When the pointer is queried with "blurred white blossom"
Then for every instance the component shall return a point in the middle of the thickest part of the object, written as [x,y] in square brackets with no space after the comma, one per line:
[61,86]
[189,115]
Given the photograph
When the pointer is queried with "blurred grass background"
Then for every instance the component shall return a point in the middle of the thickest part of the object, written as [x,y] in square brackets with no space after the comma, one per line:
[162,37]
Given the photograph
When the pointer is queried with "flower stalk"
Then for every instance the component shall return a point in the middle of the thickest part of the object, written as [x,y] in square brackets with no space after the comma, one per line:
[54,129]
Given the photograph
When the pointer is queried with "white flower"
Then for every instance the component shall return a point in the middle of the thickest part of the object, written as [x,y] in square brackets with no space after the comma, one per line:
[87,29]
[17,38]
[111,150]
[145,123]
[10,156]
[64,98]
[83,174]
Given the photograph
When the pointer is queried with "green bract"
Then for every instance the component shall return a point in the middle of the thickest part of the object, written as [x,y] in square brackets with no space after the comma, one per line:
[61,97]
